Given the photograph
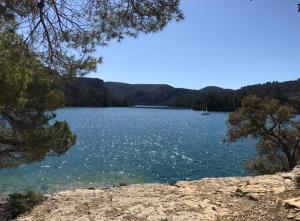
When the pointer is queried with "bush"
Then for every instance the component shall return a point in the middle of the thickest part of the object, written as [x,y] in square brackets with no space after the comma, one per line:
[276,129]
[20,203]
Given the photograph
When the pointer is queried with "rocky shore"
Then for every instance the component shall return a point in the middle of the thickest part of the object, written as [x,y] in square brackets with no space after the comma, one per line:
[270,197]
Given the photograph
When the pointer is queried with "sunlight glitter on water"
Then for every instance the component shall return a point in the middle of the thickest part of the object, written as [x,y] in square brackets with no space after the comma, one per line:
[130,145]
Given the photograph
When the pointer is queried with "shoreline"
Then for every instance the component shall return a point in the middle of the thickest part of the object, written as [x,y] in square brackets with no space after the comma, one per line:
[268,197]
[71,187]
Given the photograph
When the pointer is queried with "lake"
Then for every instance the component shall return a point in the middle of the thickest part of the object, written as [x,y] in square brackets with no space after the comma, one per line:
[134,145]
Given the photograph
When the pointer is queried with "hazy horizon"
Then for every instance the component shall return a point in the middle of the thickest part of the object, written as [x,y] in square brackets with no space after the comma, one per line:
[225,45]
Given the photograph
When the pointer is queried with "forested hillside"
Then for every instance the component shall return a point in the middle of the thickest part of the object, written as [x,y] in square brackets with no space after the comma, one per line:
[90,92]
[95,92]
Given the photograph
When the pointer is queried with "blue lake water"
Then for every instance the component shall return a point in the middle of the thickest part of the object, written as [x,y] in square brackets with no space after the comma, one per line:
[134,145]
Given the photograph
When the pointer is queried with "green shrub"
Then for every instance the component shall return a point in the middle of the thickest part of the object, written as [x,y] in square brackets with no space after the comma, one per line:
[20,203]
[276,130]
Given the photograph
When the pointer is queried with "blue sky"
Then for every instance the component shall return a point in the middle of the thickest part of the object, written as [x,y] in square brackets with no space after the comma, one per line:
[226,43]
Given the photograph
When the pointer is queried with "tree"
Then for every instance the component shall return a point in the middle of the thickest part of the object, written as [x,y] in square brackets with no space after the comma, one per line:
[276,129]
[64,33]
[28,93]
[41,41]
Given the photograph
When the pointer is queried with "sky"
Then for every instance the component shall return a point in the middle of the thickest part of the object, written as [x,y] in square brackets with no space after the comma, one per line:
[225,43]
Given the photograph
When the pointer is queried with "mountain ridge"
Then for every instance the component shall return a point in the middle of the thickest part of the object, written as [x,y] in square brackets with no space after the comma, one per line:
[95,92]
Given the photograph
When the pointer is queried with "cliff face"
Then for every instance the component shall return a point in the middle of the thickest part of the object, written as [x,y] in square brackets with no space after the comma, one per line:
[272,197]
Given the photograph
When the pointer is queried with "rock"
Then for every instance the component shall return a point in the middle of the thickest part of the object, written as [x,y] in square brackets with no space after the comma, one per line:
[210,199]
[292,203]
[157,218]
[291,215]
[295,218]
[192,204]
[288,176]
[297,180]
[245,193]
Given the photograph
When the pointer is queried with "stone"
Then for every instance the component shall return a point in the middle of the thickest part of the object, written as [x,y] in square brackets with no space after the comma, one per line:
[210,199]
[291,215]
[292,203]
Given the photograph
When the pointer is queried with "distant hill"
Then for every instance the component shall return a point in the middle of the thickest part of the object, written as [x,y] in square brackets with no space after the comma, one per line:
[286,92]
[90,92]
[212,89]
[143,94]
[161,94]
[95,92]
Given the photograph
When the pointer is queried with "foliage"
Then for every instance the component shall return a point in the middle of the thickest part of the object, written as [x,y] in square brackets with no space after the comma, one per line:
[28,94]
[92,92]
[214,98]
[275,128]
[19,203]
[64,33]
[44,42]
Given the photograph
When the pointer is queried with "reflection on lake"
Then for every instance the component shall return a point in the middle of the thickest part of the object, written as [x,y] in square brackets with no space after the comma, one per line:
[134,145]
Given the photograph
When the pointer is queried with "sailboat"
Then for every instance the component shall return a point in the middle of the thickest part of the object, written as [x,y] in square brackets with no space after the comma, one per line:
[206,112]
